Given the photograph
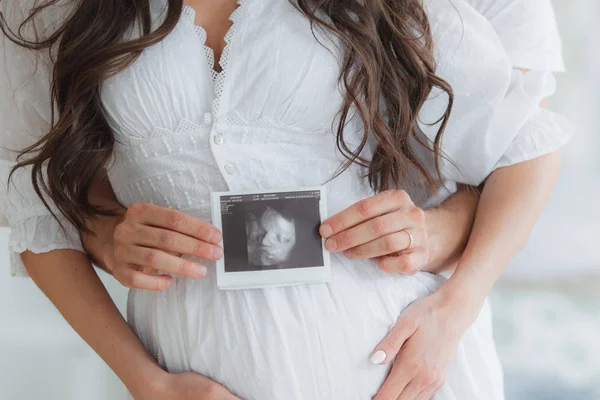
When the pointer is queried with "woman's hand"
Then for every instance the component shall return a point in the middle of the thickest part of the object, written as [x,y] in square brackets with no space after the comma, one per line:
[150,238]
[184,386]
[421,344]
[387,227]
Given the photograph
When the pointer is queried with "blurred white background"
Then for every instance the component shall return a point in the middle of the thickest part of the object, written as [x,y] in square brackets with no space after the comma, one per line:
[546,307]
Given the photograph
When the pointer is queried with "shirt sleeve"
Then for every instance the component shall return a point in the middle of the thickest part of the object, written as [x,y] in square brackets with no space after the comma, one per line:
[528,31]
[496,120]
[529,34]
[25,115]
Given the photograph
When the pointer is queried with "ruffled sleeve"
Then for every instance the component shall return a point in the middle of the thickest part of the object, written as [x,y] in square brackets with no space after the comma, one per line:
[496,120]
[25,115]
[529,34]
[527,30]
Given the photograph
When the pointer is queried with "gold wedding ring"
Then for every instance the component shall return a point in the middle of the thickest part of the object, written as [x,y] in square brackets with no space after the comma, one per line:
[410,240]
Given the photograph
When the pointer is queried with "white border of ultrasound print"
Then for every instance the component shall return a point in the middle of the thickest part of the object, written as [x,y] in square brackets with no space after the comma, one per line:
[277,277]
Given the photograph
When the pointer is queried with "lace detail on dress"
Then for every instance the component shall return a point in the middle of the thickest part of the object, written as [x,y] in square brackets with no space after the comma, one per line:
[218,77]
[189,14]
[235,17]
[183,127]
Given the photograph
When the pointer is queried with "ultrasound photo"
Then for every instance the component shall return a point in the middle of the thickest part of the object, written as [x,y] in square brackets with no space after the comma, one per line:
[269,231]
[271,237]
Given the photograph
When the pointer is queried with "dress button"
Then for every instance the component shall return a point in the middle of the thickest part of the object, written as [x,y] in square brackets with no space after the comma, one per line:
[229,168]
[208,118]
[219,139]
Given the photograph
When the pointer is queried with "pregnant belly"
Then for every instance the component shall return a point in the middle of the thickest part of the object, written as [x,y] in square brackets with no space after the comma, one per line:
[297,343]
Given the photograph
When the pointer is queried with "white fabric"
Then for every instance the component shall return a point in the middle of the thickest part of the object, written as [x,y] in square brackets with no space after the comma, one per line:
[24,118]
[274,103]
[527,29]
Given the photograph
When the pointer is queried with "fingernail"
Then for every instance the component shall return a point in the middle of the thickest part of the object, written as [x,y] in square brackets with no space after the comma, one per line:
[326,230]
[330,244]
[215,237]
[170,281]
[216,252]
[200,270]
[378,357]
[348,253]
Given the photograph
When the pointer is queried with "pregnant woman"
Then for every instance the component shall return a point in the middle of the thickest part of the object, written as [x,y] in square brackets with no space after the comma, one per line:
[393,105]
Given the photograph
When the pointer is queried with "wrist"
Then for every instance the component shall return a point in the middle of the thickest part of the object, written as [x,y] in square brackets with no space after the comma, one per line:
[432,227]
[100,244]
[436,222]
[149,382]
[463,298]
[107,249]
[448,229]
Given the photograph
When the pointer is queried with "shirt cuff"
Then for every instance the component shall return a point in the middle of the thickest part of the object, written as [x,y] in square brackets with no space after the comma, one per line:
[40,234]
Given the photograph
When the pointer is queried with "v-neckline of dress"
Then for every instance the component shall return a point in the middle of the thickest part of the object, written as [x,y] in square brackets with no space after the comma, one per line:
[218,77]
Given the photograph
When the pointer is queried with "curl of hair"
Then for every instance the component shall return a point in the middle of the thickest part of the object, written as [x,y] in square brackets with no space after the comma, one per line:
[388,55]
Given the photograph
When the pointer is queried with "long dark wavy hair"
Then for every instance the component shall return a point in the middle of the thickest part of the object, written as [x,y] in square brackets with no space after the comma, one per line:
[388,53]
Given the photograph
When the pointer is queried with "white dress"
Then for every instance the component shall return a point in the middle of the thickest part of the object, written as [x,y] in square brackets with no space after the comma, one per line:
[265,122]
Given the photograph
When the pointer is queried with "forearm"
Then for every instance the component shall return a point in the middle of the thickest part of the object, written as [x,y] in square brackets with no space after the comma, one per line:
[69,281]
[449,227]
[511,202]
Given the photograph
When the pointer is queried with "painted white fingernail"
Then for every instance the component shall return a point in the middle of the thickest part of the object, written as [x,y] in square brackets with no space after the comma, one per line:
[378,357]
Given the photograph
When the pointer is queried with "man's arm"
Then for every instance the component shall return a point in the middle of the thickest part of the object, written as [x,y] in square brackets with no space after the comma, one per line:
[511,203]
[449,227]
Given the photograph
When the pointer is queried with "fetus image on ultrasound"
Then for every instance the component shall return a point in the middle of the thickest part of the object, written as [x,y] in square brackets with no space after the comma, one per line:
[271,238]
[271,231]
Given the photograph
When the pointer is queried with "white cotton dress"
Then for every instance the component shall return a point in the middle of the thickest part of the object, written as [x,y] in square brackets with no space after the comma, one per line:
[267,121]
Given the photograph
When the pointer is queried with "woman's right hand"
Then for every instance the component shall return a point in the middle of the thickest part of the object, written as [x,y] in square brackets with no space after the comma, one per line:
[184,386]
[150,238]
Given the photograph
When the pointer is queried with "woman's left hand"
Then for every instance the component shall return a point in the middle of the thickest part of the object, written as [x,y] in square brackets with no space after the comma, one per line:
[387,228]
[421,344]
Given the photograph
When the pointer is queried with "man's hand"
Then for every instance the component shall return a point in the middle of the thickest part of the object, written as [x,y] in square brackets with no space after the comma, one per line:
[421,345]
[183,386]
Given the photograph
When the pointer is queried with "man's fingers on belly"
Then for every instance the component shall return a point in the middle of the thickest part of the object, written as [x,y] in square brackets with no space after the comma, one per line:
[427,393]
[394,384]
[387,349]
[412,390]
